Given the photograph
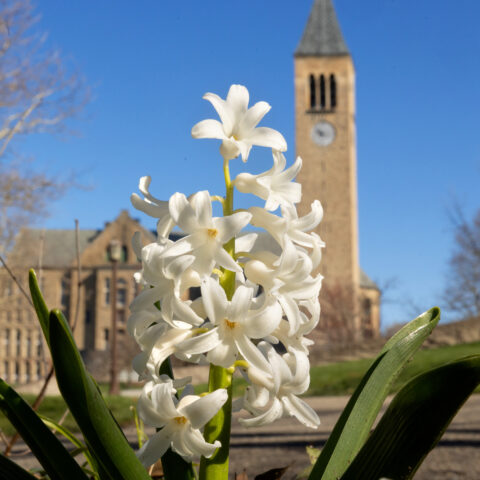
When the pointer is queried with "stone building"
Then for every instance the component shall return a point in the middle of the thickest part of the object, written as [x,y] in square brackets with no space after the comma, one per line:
[324,86]
[53,254]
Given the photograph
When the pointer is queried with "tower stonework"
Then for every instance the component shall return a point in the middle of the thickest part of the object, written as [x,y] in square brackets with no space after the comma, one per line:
[325,140]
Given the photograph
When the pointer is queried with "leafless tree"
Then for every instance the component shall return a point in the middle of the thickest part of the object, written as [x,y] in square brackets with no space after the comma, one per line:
[38,92]
[462,292]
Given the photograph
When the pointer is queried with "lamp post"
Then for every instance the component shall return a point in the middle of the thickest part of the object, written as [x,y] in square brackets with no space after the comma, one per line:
[115,252]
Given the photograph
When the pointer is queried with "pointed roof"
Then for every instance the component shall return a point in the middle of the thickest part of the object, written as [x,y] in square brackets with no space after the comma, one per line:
[322,35]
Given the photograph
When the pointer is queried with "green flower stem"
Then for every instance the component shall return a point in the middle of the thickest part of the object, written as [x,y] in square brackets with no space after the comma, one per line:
[218,428]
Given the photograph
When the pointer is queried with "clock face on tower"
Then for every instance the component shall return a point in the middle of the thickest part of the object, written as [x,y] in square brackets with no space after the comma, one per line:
[323,133]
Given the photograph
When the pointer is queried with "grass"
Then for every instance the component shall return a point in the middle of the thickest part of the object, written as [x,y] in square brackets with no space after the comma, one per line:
[332,379]
[342,378]
[54,407]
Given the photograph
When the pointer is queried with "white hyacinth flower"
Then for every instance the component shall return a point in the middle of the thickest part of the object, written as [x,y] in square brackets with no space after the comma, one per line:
[237,128]
[153,207]
[274,186]
[206,234]
[291,375]
[234,324]
[180,421]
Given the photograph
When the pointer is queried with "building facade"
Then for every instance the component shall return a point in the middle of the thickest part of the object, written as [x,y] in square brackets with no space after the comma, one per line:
[324,83]
[86,301]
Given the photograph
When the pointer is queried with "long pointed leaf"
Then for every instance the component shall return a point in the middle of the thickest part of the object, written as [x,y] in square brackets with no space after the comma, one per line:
[48,449]
[415,421]
[353,426]
[11,471]
[39,304]
[103,435]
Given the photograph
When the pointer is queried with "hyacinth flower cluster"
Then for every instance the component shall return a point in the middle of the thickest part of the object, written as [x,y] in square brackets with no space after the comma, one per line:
[259,295]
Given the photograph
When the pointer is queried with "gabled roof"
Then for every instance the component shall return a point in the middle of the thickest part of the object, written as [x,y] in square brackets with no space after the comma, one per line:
[322,35]
[57,247]
[367,282]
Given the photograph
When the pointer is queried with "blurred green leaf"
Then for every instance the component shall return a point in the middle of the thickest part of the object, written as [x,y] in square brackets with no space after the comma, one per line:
[415,421]
[355,422]
[69,436]
[39,303]
[104,437]
[52,455]
[11,471]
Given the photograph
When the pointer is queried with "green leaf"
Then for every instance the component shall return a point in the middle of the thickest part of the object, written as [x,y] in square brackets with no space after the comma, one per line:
[415,421]
[353,426]
[39,304]
[52,455]
[69,436]
[104,437]
[11,471]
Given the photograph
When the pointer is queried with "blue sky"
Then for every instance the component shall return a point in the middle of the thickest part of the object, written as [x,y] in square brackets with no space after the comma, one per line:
[150,62]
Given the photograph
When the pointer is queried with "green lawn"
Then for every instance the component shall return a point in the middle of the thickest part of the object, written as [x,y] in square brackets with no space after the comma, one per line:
[54,407]
[342,378]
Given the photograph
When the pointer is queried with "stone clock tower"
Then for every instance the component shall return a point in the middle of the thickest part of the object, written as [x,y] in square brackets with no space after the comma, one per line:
[325,139]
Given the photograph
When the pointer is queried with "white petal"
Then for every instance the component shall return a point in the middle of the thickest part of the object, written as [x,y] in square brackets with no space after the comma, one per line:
[153,210]
[184,313]
[229,226]
[223,258]
[267,137]
[208,129]
[182,246]
[202,410]
[224,355]
[182,212]
[156,446]
[252,117]
[224,110]
[202,205]
[264,321]
[195,442]
[200,344]
[237,99]
[301,410]
[229,149]
[273,413]
[240,304]
[214,300]
[251,353]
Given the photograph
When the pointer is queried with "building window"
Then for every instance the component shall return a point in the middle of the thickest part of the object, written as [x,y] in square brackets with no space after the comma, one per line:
[39,370]
[124,257]
[313,92]
[39,346]
[333,91]
[121,293]
[19,316]
[19,343]
[27,371]
[6,341]
[88,316]
[121,317]
[16,375]
[8,290]
[64,297]
[29,346]
[106,290]
[106,335]
[6,373]
[322,91]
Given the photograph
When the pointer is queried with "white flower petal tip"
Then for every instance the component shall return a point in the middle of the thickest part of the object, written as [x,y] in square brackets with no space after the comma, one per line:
[238,127]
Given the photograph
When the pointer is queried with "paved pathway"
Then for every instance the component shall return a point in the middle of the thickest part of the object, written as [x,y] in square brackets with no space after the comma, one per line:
[457,457]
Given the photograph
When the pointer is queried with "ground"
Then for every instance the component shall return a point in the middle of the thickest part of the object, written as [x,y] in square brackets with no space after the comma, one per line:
[457,457]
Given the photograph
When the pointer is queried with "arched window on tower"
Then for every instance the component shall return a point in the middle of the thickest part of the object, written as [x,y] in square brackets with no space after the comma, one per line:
[333,91]
[322,92]
[313,92]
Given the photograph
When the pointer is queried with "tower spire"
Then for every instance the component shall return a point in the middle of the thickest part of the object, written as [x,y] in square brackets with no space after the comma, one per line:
[322,35]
